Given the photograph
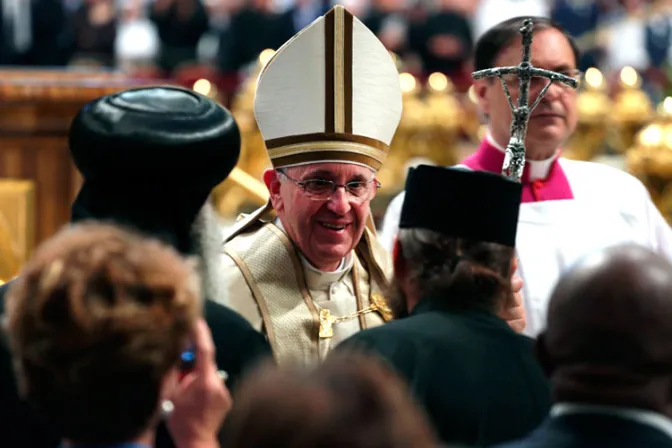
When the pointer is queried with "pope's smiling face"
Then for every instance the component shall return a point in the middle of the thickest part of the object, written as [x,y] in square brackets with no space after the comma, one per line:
[324,224]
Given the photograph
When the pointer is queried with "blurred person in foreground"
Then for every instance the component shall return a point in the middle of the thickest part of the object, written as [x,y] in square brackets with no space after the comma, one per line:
[348,401]
[96,325]
[150,158]
[607,348]
[476,377]
[570,207]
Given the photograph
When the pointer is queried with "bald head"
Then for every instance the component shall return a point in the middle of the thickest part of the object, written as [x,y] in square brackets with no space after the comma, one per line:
[613,310]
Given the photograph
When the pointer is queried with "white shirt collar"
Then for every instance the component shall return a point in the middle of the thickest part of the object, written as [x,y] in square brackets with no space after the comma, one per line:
[538,168]
[649,418]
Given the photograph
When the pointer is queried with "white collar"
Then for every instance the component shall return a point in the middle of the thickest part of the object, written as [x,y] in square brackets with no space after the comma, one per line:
[649,418]
[317,279]
[538,168]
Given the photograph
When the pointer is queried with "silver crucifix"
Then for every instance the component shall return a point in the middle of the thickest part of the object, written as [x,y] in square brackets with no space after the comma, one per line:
[514,162]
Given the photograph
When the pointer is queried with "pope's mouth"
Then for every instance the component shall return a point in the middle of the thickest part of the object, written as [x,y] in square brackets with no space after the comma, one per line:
[333,227]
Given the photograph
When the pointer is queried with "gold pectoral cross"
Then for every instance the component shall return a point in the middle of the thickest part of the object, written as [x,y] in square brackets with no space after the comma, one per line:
[326,324]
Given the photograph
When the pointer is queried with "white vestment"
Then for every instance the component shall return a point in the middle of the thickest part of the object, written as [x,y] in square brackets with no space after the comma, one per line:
[609,207]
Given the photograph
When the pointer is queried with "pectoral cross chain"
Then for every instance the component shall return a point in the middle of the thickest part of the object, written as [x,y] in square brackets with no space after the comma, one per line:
[327,320]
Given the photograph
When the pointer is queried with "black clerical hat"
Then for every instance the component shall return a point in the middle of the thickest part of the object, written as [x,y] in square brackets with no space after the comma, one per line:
[461,203]
[159,136]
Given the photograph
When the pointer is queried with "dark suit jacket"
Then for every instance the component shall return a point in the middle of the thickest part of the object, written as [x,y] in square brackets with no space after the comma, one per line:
[476,378]
[593,431]
[49,44]
[239,347]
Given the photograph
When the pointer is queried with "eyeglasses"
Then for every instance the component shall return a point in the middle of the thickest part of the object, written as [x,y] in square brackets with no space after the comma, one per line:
[323,190]
[512,80]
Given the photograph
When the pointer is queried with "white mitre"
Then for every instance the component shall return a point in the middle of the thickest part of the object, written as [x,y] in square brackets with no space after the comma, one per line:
[329,94]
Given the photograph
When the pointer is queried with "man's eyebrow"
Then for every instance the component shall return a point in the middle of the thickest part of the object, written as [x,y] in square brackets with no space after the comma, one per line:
[318,174]
[357,178]
[558,68]
[328,175]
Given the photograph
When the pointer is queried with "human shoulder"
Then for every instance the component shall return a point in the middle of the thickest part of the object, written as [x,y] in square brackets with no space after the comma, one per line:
[230,327]
[232,273]
[227,262]
[225,319]
[405,347]
[600,186]
[602,178]
[238,344]
[398,336]
[239,295]
[368,340]
[244,228]
[525,341]
[233,248]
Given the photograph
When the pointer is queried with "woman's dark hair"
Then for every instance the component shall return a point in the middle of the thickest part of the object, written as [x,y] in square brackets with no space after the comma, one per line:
[463,273]
[490,45]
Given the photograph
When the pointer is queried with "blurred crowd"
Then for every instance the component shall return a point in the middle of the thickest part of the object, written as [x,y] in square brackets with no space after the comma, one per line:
[158,37]
[526,311]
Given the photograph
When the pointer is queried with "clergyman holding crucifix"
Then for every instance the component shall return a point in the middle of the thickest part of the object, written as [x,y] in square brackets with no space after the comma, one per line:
[569,207]
[525,72]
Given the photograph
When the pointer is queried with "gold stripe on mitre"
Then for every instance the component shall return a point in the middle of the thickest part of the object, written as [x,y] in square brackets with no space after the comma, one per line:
[337,142]
[318,147]
[338,71]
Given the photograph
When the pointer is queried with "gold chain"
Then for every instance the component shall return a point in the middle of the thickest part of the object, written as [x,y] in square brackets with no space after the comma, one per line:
[368,309]
[327,320]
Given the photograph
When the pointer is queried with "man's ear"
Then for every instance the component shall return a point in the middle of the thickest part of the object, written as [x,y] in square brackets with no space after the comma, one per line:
[398,260]
[541,353]
[481,89]
[272,181]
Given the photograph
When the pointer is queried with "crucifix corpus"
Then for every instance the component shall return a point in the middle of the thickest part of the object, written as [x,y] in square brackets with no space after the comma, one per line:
[514,161]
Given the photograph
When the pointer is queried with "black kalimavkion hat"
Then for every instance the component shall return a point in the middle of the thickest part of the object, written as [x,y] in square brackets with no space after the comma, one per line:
[461,203]
[150,158]
[155,135]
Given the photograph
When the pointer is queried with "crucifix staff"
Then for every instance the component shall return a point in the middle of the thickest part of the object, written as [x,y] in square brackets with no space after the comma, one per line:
[514,161]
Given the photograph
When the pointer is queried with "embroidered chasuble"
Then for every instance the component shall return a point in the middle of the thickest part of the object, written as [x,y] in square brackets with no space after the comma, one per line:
[569,208]
[282,295]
